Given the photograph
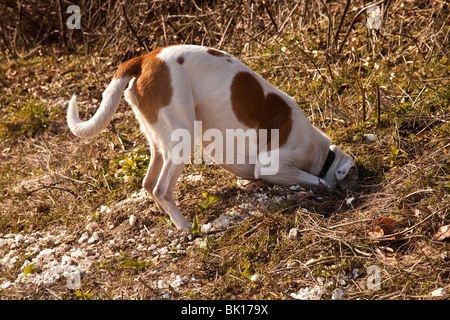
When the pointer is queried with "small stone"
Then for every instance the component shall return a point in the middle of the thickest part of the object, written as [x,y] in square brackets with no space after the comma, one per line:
[45,253]
[338,293]
[293,234]
[254,277]
[105,209]
[83,237]
[178,281]
[222,222]
[132,220]
[161,284]
[439,292]
[78,254]
[206,228]
[92,226]
[18,238]
[66,261]
[94,237]
[163,251]
[370,137]
[350,200]
[5,285]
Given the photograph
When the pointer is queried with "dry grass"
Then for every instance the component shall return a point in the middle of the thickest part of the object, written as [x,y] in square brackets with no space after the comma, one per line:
[392,83]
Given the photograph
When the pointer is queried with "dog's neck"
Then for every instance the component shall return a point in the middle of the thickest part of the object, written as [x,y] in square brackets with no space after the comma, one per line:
[328,162]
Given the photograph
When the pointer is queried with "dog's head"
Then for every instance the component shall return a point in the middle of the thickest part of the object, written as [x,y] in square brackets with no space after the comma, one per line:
[343,172]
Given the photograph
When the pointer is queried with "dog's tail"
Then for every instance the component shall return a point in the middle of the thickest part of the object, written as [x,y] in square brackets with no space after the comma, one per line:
[109,104]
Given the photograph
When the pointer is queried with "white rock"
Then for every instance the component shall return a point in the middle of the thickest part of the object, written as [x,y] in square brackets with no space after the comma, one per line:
[18,238]
[338,293]
[66,260]
[58,269]
[161,284]
[308,294]
[177,282]
[293,234]
[132,220]
[83,238]
[167,296]
[20,276]
[45,253]
[91,226]
[349,200]
[105,209]
[254,277]
[370,137]
[206,227]
[193,177]
[94,238]
[163,251]
[222,222]
[439,292]
[5,285]
[79,254]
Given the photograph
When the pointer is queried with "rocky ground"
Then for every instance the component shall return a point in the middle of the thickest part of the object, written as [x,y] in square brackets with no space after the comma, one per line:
[59,256]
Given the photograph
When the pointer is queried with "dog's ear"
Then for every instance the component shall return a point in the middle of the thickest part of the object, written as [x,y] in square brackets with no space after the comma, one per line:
[348,169]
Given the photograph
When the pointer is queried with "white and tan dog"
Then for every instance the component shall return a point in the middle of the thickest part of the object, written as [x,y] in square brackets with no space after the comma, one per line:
[172,88]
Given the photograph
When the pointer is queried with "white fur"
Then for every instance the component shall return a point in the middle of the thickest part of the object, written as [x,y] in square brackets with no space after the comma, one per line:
[104,114]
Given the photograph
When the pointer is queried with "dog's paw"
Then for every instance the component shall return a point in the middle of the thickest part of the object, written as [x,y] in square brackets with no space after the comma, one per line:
[184,226]
[250,185]
[323,183]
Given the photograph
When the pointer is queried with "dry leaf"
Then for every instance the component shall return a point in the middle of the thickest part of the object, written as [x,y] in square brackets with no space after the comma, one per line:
[443,233]
[386,224]
[382,227]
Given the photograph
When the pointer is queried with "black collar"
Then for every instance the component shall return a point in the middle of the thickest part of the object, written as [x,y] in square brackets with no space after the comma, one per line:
[327,164]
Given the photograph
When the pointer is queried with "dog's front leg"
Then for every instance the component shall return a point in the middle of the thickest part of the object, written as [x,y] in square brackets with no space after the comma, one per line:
[287,174]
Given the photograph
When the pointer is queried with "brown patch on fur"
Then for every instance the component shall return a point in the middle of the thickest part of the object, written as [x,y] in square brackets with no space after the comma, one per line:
[131,68]
[153,84]
[215,52]
[257,111]
[180,60]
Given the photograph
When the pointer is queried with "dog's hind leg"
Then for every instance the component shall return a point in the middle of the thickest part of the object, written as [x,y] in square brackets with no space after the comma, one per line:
[164,171]
[163,192]
[153,171]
